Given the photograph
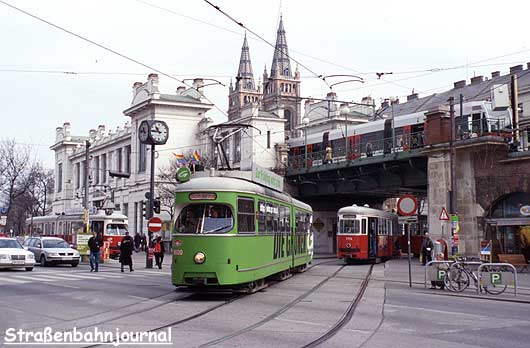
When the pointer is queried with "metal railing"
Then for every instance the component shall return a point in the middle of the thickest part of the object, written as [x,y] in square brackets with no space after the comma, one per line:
[365,149]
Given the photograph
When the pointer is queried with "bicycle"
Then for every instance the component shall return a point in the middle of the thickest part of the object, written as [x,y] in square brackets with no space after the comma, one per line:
[457,279]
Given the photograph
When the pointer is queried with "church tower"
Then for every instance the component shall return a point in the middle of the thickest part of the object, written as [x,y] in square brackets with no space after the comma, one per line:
[281,91]
[245,92]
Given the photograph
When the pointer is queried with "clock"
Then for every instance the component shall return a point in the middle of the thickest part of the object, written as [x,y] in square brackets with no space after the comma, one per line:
[143,132]
[158,132]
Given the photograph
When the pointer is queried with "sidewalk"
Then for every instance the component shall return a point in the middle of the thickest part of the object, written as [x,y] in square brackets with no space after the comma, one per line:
[138,261]
[396,270]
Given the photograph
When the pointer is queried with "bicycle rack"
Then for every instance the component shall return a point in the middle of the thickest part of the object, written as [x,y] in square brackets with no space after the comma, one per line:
[427,267]
[479,287]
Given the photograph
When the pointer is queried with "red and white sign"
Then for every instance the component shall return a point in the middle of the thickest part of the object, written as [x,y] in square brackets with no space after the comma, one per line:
[407,205]
[443,215]
[154,225]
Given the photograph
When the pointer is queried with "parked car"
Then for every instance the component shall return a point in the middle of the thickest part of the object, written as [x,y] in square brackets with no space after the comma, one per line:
[13,255]
[52,250]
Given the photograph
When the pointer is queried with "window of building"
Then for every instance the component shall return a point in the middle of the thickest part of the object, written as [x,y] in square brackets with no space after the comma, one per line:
[287,116]
[110,161]
[245,215]
[128,159]
[141,158]
[125,209]
[237,147]
[83,170]
[96,170]
[77,175]
[103,168]
[119,160]
[268,139]
[60,177]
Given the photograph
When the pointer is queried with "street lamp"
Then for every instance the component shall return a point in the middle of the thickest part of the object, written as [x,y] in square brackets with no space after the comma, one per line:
[305,121]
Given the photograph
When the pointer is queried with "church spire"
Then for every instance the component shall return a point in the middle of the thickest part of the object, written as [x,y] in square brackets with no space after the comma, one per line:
[244,73]
[281,64]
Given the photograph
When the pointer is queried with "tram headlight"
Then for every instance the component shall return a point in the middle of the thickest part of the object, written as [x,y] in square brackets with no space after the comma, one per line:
[199,258]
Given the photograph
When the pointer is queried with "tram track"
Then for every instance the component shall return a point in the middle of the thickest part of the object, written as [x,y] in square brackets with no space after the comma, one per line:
[274,315]
[346,316]
[232,298]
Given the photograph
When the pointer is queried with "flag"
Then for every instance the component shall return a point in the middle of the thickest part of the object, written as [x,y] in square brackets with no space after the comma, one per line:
[196,156]
[180,158]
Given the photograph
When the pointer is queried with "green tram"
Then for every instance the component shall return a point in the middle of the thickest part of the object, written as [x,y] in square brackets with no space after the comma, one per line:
[232,233]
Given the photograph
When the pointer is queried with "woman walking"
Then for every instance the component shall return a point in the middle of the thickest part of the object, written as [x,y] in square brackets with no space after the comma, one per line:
[126,250]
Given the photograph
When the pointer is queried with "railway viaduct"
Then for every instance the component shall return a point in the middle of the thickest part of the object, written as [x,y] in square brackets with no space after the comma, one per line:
[487,173]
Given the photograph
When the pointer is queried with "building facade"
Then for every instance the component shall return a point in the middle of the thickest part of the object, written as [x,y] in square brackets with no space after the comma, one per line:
[121,151]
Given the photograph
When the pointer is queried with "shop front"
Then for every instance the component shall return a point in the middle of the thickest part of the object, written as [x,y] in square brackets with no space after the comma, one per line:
[507,225]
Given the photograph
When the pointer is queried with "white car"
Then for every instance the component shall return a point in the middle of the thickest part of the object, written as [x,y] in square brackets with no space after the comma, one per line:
[13,255]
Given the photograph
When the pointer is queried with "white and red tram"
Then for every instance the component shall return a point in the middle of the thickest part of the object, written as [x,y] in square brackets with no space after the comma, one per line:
[366,234]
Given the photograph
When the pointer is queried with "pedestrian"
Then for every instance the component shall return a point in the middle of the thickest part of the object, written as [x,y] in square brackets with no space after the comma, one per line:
[137,241]
[143,242]
[159,252]
[369,150]
[95,243]
[126,249]
[329,155]
[426,249]
[439,266]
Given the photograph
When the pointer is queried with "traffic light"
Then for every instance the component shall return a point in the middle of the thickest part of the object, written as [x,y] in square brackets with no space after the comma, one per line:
[156,205]
[146,210]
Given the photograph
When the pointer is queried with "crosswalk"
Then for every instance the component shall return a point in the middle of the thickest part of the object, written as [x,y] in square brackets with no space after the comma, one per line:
[39,275]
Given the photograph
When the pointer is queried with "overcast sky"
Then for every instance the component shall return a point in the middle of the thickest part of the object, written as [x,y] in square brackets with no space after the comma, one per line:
[426,44]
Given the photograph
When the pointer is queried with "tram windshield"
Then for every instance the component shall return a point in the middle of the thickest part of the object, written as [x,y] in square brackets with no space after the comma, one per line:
[204,219]
[349,226]
[116,230]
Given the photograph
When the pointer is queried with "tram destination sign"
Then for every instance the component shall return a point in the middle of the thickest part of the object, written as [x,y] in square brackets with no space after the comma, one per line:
[267,178]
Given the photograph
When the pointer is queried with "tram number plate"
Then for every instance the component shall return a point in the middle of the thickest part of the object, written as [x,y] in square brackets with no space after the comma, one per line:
[178,252]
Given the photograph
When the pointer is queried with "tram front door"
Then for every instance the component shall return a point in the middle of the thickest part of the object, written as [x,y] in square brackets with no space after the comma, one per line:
[372,237]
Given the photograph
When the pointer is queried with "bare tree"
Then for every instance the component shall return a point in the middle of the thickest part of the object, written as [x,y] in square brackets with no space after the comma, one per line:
[24,186]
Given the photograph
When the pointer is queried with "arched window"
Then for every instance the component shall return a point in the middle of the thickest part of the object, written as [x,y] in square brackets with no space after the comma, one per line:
[286,72]
[249,85]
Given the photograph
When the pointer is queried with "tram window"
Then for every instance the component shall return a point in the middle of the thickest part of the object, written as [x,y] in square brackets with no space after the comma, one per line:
[364,229]
[205,218]
[275,212]
[245,215]
[269,218]
[115,230]
[261,217]
[349,226]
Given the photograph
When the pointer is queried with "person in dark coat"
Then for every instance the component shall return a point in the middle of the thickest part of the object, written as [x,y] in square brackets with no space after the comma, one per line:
[137,241]
[426,249]
[143,242]
[126,250]
[159,252]
[95,243]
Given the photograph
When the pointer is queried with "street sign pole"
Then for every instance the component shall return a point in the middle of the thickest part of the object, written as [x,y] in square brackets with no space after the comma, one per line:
[409,256]
[149,253]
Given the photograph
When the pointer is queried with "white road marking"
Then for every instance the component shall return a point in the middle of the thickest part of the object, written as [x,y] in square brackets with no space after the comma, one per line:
[301,322]
[66,286]
[16,281]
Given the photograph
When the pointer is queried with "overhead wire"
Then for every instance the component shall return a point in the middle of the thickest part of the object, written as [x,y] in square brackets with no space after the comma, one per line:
[107,49]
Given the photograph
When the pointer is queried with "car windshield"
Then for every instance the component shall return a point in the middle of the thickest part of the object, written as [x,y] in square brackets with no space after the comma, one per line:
[116,230]
[54,243]
[10,243]
[204,219]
